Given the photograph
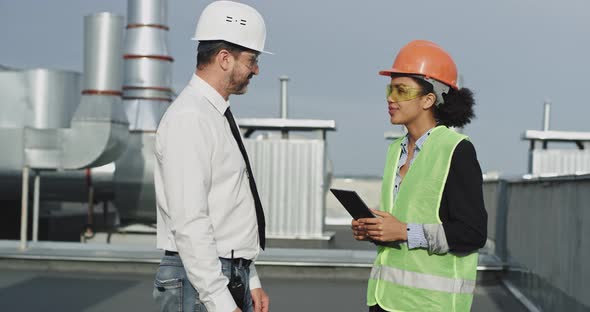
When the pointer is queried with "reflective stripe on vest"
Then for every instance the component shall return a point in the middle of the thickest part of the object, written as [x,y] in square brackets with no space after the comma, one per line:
[422,280]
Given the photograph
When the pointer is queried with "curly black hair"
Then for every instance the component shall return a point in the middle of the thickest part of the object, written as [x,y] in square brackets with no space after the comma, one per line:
[457,109]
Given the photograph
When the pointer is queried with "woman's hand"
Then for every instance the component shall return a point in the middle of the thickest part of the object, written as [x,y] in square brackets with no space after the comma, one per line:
[358,231]
[386,228]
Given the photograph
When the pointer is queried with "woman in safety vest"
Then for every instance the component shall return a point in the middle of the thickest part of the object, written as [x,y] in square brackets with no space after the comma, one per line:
[432,219]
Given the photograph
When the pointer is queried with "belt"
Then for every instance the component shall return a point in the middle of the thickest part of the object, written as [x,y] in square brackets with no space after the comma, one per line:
[239,262]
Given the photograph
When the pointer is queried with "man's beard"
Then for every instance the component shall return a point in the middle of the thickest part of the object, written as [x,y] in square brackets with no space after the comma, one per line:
[236,86]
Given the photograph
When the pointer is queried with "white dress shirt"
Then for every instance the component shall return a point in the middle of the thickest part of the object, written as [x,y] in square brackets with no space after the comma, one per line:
[205,206]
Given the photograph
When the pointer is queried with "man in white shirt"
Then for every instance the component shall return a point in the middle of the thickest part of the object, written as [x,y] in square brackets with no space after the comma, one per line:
[210,220]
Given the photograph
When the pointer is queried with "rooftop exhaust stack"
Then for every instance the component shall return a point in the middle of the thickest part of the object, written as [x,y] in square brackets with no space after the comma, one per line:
[146,95]
[148,66]
[102,54]
[284,108]
[546,115]
[99,128]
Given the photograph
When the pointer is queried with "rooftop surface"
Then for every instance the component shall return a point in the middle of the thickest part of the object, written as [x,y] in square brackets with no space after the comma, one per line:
[55,290]
[298,275]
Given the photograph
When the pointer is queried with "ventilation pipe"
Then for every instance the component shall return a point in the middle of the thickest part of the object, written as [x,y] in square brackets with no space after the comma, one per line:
[546,118]
[284,108]
[147,88]
[147,94]
[546,114]
[99,128]
[284,105]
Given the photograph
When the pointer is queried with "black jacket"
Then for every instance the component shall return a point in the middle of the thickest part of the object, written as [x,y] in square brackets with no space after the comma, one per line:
[462,209]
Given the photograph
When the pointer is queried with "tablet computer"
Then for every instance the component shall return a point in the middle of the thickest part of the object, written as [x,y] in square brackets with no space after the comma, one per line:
[353,203]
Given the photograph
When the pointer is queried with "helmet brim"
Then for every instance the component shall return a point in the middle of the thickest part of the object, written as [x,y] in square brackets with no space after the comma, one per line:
[388,72]
[265,52]
[385,72]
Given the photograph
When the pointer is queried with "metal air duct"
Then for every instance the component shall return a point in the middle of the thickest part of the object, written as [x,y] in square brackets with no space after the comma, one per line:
[148,66]
[54,96]
[146,96]
[99,128]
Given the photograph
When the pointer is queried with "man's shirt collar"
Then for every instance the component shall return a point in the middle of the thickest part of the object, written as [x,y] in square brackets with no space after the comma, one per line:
[220,104]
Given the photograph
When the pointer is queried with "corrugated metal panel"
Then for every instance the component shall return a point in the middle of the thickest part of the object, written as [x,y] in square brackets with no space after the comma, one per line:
[560,162]
[290,175]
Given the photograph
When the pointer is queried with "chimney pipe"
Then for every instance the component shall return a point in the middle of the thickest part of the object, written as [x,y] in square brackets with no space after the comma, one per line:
[546,114]
[99,130]
[147,90]
[284,112]
[103,66]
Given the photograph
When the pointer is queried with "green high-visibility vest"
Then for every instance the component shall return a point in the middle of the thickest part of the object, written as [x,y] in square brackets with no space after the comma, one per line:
[414,280]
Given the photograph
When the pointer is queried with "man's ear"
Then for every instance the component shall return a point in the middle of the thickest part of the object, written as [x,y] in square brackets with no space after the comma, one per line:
[428,101]
[225,60]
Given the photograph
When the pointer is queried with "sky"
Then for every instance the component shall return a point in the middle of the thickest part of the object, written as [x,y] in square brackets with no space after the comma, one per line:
[513,54]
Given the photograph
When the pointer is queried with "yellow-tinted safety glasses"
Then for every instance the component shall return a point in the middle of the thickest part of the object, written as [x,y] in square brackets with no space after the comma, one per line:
[401,92]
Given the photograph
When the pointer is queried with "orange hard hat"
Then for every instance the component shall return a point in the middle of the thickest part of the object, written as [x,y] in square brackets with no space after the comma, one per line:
[425,58]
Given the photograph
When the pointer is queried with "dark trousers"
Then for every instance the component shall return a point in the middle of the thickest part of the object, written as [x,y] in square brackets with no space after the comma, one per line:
[376,308]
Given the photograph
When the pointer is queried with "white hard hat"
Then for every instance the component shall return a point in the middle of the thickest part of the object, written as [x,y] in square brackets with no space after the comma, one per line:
[232,22]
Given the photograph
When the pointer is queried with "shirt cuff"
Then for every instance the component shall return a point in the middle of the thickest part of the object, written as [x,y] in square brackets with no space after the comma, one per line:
[416,238]
[221,301]
[254,280]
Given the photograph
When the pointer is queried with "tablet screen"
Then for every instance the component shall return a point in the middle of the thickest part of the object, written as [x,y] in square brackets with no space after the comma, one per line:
[353,203]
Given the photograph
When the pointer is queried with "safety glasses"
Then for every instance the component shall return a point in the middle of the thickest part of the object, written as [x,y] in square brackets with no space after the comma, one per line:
[251,60]
[402,92]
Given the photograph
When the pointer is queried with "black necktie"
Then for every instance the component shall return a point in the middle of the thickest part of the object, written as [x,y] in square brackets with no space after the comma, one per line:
[259,211]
